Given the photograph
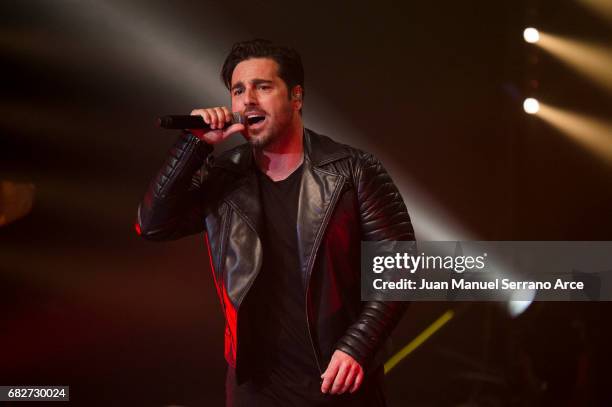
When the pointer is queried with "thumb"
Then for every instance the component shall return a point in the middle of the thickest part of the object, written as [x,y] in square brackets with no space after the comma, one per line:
[234,128]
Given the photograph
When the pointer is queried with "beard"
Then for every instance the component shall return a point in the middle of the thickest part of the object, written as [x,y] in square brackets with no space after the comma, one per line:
[263,140]
[273,132]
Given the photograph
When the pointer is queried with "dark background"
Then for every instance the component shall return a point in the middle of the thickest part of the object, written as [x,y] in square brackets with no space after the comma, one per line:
[435,89]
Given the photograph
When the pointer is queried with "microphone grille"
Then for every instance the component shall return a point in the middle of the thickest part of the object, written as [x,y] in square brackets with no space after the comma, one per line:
[237,118]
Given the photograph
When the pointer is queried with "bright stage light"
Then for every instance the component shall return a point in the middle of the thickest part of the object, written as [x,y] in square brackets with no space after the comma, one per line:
[531,106]
[531,35]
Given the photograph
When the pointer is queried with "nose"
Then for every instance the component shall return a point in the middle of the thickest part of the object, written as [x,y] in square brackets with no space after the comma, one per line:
[250,97]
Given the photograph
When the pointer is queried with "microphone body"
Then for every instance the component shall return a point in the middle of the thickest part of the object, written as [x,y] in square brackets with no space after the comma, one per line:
[192,122]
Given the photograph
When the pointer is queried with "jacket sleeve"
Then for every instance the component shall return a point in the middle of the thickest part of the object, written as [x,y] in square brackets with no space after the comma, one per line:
[383,217]
[172,207]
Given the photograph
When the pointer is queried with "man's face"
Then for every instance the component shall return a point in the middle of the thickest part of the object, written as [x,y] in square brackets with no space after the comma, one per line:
[263,98]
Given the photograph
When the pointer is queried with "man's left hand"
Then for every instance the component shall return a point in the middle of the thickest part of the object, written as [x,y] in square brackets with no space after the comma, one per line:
[343,374]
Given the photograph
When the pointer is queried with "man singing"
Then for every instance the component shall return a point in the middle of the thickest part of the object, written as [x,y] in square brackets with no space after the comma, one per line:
[283,217]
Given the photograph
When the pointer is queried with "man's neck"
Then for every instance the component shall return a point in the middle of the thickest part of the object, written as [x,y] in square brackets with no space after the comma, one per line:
[281,158]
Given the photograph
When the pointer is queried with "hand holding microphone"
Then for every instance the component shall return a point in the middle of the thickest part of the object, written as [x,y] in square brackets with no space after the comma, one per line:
[211,125]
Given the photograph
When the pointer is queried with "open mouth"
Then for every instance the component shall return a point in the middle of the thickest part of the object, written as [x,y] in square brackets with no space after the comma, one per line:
[255,118]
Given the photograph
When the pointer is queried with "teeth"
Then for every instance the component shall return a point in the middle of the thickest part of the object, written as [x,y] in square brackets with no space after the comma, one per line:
[255,118]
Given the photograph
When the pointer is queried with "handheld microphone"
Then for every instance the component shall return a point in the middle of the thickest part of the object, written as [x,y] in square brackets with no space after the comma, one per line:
[192,122]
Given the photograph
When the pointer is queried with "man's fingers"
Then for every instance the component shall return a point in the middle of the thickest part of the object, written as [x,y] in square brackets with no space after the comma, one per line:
[358,381]
[329,376]
[215,117]
[228,114]
[350,379]
[340,377]
[218,118]
[202,112]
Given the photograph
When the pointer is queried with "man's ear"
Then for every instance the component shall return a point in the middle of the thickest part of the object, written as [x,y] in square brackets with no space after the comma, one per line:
[297,94]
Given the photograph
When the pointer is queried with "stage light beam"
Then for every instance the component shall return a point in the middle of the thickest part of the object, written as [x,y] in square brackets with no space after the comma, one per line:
[591,60]
[593,134]
[419,340]
[601,8]
[531,35]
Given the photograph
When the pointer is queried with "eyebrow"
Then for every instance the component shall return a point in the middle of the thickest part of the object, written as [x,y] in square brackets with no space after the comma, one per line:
[239,84]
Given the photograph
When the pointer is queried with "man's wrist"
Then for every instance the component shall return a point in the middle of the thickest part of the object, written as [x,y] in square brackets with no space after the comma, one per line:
[202,148]
[359,357]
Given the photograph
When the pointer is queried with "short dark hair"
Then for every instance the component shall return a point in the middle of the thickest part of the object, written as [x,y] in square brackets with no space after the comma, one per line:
[289,62]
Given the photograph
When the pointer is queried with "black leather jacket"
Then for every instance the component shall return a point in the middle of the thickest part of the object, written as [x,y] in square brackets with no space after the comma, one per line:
[346,196]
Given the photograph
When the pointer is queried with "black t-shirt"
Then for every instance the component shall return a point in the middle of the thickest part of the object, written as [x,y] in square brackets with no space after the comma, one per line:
[279,309]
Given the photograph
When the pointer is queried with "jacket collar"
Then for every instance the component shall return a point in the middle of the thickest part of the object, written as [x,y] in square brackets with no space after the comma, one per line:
[318,149]
[322,150]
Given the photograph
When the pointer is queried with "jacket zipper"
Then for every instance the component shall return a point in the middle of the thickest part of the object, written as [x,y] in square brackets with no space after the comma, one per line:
[330,209]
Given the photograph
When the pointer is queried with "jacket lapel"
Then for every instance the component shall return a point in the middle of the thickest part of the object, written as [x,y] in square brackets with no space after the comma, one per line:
[243,252]
[244,199]
[319,192]
[244,195]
